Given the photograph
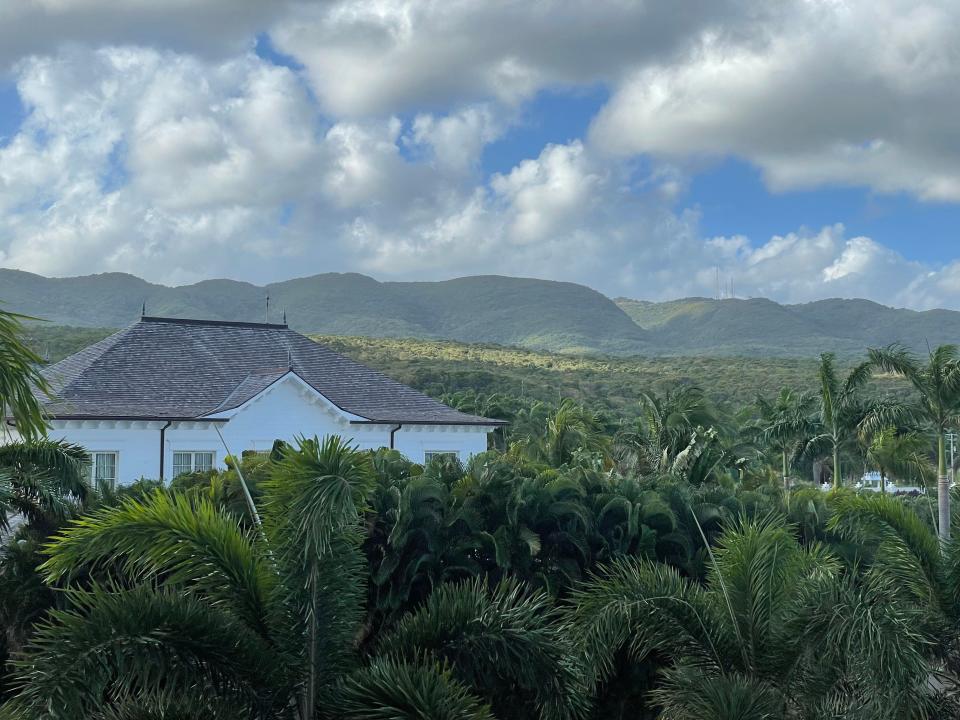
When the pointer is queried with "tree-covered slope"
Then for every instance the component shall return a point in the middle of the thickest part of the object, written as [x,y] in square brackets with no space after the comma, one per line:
[519,312]
[509,311]
[611,384]
[759,327]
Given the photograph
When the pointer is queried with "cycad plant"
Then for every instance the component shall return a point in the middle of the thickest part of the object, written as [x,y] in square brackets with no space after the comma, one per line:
[776,631]
[178,609]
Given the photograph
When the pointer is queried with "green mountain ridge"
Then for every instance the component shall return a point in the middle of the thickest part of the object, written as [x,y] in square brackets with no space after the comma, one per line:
[538,314]
[508,311]
[761,327]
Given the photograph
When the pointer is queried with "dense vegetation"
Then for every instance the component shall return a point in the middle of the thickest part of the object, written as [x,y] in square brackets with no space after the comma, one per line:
[676,562]
[758,327]
[608,384]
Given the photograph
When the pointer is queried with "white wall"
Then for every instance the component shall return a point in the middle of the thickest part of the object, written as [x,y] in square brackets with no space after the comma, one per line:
[466,440]
[286,410]
[137,443]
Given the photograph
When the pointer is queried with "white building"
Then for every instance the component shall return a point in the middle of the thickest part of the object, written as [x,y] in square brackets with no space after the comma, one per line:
[166,396]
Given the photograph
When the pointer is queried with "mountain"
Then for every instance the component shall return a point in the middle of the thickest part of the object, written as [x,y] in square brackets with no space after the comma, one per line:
[507,311]
[759,327]
[538,314]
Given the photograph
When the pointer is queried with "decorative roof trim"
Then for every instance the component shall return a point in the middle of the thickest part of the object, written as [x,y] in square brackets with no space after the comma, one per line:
[220,323]
[304,385]
[132,417]
[481,423]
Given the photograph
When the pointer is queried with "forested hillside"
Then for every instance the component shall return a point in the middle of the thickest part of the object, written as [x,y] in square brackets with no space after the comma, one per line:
[610,384]
[520,312]
[760,327]
[510,311]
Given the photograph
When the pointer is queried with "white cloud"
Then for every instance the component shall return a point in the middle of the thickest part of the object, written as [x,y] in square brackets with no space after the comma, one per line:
[456,141]
[804,266]
[375,56]
[206,27]
[853,93]
[178,159]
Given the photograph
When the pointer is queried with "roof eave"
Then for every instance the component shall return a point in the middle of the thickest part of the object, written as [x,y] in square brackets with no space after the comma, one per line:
[152,418]
[401,421]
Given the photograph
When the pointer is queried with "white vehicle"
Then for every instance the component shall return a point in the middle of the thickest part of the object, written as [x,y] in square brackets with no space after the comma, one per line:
[872,481]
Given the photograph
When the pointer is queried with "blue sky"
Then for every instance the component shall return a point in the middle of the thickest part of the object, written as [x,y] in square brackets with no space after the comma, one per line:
[734,200]
[635,148]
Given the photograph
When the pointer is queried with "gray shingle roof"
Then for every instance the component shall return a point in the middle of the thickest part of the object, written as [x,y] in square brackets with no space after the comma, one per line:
[163,368]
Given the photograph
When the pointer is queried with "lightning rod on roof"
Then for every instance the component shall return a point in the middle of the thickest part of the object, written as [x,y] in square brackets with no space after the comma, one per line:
[284,316]
[266,309]
[143,309]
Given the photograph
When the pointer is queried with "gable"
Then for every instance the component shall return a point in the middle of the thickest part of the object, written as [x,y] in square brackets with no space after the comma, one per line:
[283,392]
[183,369]
[286,409]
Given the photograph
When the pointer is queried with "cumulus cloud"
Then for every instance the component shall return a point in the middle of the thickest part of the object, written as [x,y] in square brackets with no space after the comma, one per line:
[157,142]
[804,266]
[375,56]
[852,93]
[206,27]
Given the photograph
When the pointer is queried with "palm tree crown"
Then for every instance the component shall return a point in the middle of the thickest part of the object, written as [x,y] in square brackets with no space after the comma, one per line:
[937,405]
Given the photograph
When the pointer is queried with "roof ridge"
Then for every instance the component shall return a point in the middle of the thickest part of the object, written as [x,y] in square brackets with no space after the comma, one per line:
[169,367]
[73,367]
[221,323]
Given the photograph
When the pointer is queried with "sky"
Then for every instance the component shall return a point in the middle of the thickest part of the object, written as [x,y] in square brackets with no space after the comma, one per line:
[800,149]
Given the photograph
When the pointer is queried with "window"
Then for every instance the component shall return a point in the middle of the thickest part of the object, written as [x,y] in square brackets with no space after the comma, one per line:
[429,455]
[192,461]
[103,469]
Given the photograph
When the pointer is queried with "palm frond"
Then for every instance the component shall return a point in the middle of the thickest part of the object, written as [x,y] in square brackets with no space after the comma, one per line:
[686,694]
[642,606]
[177,539]
[312,505]
[907,552]
[144,642]
[20,378]
[506,644]
[391,689]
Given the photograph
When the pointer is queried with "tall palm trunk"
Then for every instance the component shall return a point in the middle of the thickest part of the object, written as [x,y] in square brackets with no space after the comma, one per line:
[786,479]
[943,489]
[883,482]
[836,465]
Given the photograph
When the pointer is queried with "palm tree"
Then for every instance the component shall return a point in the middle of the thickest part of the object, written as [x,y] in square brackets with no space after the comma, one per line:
[896,453]
[783,423]
[42,482]
[178,605]
[669,430]
[20,378]
[902,557]
[776,631]
[840,411]
[568,428]
[937,407]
